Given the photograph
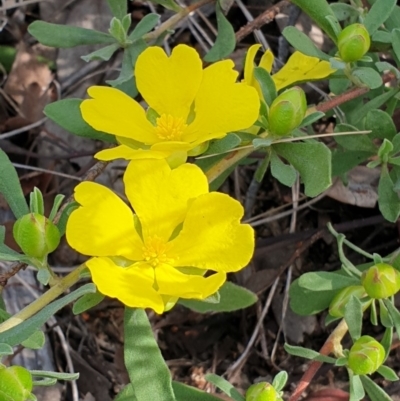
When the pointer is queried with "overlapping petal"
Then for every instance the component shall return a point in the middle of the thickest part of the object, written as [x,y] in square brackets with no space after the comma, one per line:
[103,225]
[131,285]
[221,105]
[160,195]
[112,111]
[212,236]
[169,84]
[128,153]
[172,282]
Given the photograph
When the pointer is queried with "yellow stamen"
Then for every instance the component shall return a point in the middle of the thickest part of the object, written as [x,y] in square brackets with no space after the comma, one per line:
[170,128]
[155,251]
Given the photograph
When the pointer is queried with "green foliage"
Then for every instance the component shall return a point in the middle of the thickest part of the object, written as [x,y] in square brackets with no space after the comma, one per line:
[141,349]
[88,301]
[224,386]
[64,36]
[226,41]
[308,354]
[267,84]
[378,14]
[231,298]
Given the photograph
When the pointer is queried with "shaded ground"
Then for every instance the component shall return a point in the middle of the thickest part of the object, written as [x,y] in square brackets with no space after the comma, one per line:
[192,344]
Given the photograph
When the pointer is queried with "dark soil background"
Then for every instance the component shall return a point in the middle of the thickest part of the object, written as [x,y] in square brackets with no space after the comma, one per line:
[289,241]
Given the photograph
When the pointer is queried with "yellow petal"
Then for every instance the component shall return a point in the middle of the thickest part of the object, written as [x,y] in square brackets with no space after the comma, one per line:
[172,282]
[212,236]
[267,60]
[112,111]
[160,195]
[169,84]
[249,64]
[103,225]
[133,286]
[171,146]
[221,105]
[127,153]
[299,68]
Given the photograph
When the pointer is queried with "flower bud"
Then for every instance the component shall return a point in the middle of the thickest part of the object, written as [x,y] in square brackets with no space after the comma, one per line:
[15,383]
[366,356]
[262,391]
[353,42]
[340,300]
[381,281]
[287,111]
[36,235]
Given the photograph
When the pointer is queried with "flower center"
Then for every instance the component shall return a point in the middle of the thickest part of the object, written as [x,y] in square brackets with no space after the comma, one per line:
[170,128]
[155,251]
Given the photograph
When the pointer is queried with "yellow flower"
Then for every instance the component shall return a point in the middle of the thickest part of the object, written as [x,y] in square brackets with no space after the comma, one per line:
[191,106]
[159,254]
[298,68]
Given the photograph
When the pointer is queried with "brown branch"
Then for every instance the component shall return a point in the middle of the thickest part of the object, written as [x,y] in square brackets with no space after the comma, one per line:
[265,18]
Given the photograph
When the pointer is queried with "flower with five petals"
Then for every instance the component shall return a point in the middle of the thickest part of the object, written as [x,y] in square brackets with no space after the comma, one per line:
[188,106]
[160,252]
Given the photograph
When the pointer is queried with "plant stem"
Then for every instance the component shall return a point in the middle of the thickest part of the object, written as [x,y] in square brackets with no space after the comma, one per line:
[332,345]
[49,296]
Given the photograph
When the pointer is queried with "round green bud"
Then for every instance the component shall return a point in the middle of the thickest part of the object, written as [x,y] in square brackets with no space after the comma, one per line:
[381,281]
[353,42]
[36,235]
[340,300]
[287,111]
[15,383]
[366,356]
[262,391]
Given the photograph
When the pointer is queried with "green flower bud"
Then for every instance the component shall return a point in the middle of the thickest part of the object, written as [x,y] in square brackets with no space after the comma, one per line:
[366,356]
[381,281]
[287,111]
[262,391]
[15,383]
[340,300]
[36,235]
[353,42]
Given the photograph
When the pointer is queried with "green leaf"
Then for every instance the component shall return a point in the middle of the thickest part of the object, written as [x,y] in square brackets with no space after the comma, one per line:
[146,24]
[141,350]
[394,20]
[64,36]
[10,187]
[396,42]
[267,84]
[225,42]
[318,10]
[45,382]
[311,118]
[5,349]
[394,314]
[67,114]
[381,125]
[303,43]
[344,161]
[262,168]
[126,394]
[232,297]
[378,14]
[374,392]
[55,375]
[62,222]
[280,380]
[88,301]
[224,386]
[344,11]
[105,53]
[187,393]
[368,76]
[262,142]
[388,373]
[117,30]
[35,341]
[325,281]
[17,334]
[119,8]
[307,354]
[312,160]
[382,37]
[306,302]
[169,4]
[387,340]
[389,202]
[373,104]
[355,142]
[356,388]
[223,145]
[284,173]
[353,315]
[384,315]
